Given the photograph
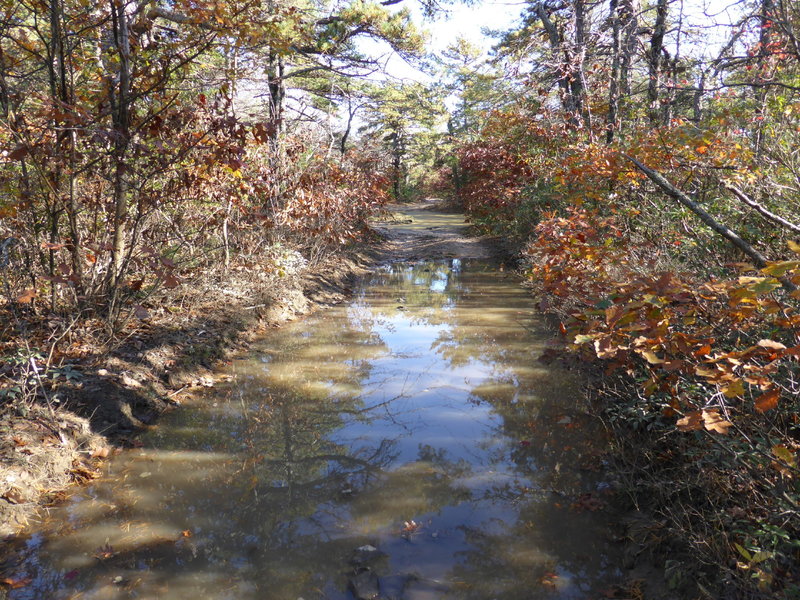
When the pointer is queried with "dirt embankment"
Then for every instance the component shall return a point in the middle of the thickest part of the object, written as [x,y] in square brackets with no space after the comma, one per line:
[120,388]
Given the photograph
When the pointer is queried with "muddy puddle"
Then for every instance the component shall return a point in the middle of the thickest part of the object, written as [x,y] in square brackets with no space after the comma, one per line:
[407,443]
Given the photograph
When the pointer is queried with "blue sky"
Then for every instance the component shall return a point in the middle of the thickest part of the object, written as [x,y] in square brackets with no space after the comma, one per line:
[469,21]
[462,20]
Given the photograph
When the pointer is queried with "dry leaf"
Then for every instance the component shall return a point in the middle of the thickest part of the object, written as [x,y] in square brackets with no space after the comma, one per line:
[16,583]
[714,421]
[14,496]
[171,282]
[771,344]
[767,401]
[733,389]
[651,357]
[704,350]
[100,453]
[27,296]
[691,422]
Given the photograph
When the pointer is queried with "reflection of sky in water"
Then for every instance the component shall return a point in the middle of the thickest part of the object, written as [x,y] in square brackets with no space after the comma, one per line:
[335,431]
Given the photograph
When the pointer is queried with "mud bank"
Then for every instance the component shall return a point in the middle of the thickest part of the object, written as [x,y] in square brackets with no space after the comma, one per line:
[123,387]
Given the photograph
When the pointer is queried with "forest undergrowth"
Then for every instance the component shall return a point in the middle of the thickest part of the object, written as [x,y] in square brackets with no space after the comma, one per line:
[696,348]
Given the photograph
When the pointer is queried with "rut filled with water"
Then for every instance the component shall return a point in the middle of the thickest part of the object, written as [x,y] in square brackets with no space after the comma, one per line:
[407,444]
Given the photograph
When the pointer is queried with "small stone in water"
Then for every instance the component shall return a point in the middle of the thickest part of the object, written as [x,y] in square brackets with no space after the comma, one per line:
[364,585]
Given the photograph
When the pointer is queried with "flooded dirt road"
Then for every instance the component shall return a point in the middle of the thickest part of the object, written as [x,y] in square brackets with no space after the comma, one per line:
[406,444]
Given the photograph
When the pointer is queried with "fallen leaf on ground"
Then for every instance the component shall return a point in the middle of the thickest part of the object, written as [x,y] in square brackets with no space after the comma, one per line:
[101,452]
[14,496]
[767,401]
[16,583]
[27,296]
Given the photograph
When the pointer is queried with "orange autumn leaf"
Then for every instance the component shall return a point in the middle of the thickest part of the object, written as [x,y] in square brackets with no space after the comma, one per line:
[767,401]
[704,350]
[16,583]
[27,296]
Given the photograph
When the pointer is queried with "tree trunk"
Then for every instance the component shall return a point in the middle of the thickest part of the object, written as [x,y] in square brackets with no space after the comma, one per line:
[556,45]
[762,70]
[614,82]
[277,91]
[654,61]
[578,59]
[62,91]
[120,100]
[629,22]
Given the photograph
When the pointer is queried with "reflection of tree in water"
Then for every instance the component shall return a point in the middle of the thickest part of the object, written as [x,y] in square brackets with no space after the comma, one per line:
[423,486]
[545,547]
[298,479]
[309,498]
[423,292]
[314,500]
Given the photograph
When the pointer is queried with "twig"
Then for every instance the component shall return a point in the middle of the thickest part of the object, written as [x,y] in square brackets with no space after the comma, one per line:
[758,259]
[770,216]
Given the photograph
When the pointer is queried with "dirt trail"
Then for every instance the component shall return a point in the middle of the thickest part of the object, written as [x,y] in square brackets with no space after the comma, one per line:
[424,230]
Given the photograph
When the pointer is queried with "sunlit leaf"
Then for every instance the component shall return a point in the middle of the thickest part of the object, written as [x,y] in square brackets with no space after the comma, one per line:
[733,389]
[693,421]
[771,344]
[651,357]
[713,421]
[27,296]
[780,269]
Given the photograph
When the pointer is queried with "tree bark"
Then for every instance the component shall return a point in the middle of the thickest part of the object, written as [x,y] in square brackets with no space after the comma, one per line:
[120,99]
[654,61]
[629,22]
[768,215]
[577,63]
[614,82]
[556,45]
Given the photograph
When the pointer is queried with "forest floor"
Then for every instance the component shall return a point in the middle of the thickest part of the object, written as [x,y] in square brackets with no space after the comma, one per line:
[121,387]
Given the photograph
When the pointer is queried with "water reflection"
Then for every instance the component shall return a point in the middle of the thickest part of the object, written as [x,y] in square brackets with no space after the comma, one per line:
[415,419]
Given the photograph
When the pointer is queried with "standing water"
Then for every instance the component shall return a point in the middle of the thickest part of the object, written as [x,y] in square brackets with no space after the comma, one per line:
[407,444]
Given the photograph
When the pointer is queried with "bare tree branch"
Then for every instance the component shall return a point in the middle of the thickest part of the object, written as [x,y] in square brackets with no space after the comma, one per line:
[759,260]
[770,216]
